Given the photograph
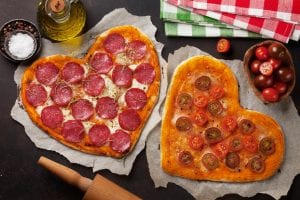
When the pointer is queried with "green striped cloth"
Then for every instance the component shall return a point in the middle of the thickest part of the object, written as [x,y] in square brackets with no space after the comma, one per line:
[182,22]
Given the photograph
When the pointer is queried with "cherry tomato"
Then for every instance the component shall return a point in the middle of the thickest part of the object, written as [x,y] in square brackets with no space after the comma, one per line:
[246,126]
[267,146]
[215,108]
[261,81]
[261,53]
[270,94]
[203,83]
[266,68]
[223,45]
[183,124]
[275,63]
[285,74]
[220,149]
[250,144]
[201,101]
[277,51]
[185,158]
[229,123]
[201,118]
[196,142]
[257,164]
[210,161]
[232,160]
[213,135]
[184,100]
[235,144]
[217,92]
[281,87]
[255,66]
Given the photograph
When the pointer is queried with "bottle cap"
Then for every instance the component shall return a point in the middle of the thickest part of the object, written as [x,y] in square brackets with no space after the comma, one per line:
[57,5]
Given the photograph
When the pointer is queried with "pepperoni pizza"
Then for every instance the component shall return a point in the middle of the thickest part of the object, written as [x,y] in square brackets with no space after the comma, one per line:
[206,135]
[98,104]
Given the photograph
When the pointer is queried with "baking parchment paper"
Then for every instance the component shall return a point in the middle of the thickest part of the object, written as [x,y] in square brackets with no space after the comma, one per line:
[284,113]
[77,47]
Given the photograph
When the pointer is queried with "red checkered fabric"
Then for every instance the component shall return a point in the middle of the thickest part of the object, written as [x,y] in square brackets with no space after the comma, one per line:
[272,28]
[287,10]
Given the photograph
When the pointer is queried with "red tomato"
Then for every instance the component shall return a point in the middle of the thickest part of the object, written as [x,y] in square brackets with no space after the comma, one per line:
[201,101]
[250,143]
[196,142]
[255,66]
[229,123]
[221,149]
[261,53]
[266,68]
[275,63]
[223,45]
[217,92]
[281,87]
[201,118]
[270,94]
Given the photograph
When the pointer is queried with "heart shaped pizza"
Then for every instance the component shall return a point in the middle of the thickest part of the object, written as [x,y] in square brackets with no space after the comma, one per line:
[207,135]
[98,104]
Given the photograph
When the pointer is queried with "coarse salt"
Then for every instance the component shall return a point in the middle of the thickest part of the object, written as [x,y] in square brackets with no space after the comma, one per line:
[21,45]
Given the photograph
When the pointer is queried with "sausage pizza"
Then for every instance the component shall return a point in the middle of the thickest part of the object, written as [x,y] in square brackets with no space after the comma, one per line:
[207,135]
[98,104]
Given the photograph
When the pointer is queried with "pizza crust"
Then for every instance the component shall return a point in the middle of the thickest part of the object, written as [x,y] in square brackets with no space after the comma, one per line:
[59,60]
[172,141]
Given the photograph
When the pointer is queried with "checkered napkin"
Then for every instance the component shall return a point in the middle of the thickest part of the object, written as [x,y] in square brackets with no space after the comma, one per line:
[238,14]
[183,22]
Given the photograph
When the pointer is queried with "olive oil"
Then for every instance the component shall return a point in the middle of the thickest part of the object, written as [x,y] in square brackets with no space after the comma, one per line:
[61,20]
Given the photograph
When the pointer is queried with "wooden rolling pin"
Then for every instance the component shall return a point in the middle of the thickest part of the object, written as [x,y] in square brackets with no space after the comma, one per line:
[98,189]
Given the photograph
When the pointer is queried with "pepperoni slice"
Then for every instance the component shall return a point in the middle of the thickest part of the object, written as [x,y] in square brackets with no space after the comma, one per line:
[101,63]
[47,73]
[52,116]
[129,120]
[210,161]
[61,94]
[185,158]
[184,101]
[114,43]
[203,83]
[183,124]
[144,73]
[122,76]
[36,94]
[99,134]
[82,109]
[107,108]
[93,84]
[136,50]
[120,141]
[72,72]
[73,131]
[135,98]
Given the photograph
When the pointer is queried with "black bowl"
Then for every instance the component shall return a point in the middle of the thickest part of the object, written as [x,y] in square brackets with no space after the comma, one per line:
[19,26]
